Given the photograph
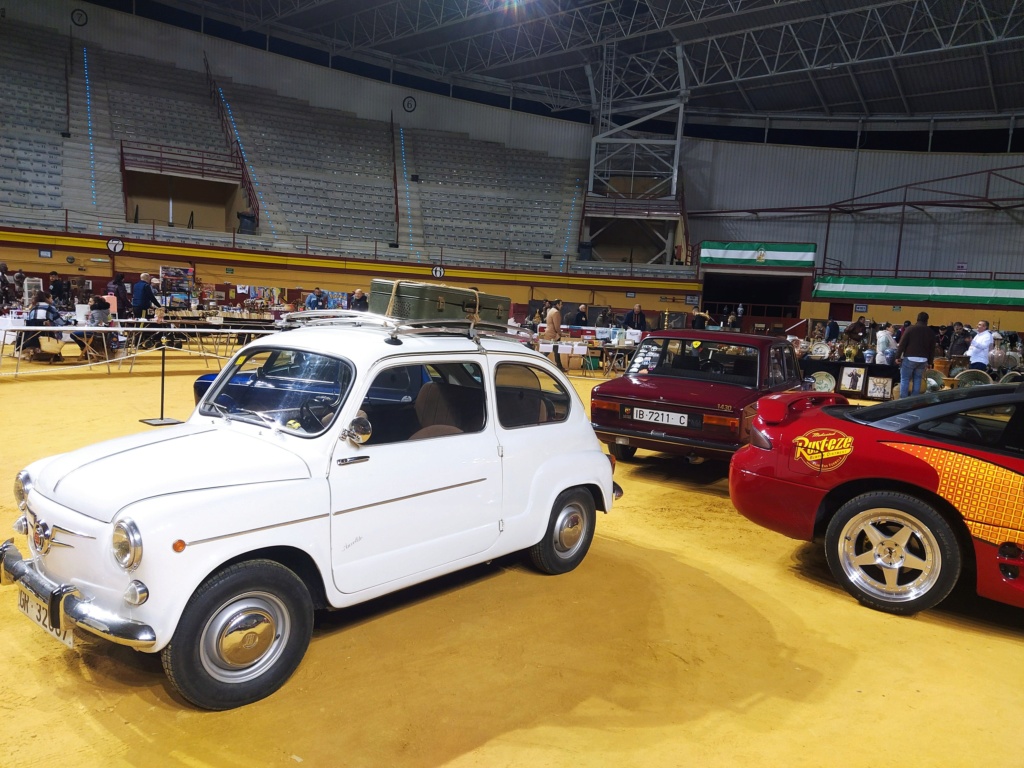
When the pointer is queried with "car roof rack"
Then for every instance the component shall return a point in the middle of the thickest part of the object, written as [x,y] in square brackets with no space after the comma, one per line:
[467,328]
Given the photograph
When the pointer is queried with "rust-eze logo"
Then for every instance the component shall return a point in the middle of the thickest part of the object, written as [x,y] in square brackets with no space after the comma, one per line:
[823,449]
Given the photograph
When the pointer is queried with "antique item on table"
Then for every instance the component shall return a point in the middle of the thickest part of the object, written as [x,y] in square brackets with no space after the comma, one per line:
[972,378]
[1013,377]
[934,380]
[824,381]
[958,364]
[851,379]
[879,388]
[820,351]
[1012,361]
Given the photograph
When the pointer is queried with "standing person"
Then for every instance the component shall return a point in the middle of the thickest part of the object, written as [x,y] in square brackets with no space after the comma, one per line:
[553,331]
[6,285]
[832,330]
[885,344]
[959,341]
[980,347]
[143,297]
[359,302]
[117,289]
[698,319]
[917,350]
[635,319]
[581,316]
[57,289]
[855,331]
[898,335]
[316,300]
[603,319]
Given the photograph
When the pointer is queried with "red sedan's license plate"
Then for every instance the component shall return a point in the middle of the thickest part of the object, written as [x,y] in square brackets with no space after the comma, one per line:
[40,614]
[660,417]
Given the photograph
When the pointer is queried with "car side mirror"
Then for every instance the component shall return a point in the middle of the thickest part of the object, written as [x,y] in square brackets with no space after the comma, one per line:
[359,430]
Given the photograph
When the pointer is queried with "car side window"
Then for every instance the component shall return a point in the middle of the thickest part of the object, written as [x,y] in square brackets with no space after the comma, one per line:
[776,367]
[527,396]
[791,366]
[416,402]
[993,428]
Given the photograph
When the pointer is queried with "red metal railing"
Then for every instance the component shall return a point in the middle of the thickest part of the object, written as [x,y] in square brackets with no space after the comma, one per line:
[236,149]
[137,155]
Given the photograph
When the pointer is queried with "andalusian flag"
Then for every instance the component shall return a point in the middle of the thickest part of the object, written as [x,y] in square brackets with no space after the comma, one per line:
[799,255]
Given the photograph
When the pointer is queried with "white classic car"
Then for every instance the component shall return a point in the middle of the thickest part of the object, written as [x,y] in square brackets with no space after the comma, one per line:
[323,467]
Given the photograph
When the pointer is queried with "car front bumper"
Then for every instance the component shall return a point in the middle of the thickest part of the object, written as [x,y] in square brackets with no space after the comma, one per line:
[67,606]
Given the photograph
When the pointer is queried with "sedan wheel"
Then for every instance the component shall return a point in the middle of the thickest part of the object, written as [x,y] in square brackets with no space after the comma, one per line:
[622,452]
[893,552]
[241,636]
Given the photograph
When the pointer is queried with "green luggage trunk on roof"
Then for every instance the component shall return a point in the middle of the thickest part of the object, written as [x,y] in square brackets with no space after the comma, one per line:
[430,301]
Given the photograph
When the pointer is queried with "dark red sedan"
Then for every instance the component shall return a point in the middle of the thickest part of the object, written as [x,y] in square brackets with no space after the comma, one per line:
[908,496]
[691,393]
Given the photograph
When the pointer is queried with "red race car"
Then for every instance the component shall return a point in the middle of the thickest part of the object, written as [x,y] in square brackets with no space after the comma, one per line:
[907,495]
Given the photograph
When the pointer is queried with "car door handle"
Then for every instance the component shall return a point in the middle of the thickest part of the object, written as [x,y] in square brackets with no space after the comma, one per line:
[353,460]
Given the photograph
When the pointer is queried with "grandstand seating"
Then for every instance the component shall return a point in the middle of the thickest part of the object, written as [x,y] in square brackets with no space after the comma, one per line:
[325,178]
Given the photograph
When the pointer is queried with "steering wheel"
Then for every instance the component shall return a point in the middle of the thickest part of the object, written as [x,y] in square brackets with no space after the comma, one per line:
[712,366]
[308,418]
[969,430]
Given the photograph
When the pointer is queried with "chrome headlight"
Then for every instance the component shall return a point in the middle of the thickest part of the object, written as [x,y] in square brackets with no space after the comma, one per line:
[126,543]
[22,486]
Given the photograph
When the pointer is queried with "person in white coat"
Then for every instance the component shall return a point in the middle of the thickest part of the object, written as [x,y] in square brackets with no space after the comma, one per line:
[981,346]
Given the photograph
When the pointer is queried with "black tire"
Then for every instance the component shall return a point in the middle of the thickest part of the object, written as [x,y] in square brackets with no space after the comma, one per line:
[622,452]
[269,613]
[893,552]
[569,533]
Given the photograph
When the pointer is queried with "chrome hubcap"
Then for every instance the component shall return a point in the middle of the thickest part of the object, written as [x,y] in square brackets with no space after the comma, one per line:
[245,637]
[570,528]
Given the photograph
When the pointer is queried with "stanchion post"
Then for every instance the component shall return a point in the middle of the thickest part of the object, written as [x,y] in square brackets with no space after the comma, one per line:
[162,422]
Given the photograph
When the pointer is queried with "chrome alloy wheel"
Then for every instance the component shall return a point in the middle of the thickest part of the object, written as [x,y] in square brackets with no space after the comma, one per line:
[889,554]
[245,637]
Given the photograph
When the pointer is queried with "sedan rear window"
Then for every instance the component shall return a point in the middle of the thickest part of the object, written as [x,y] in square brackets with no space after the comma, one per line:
[697,359]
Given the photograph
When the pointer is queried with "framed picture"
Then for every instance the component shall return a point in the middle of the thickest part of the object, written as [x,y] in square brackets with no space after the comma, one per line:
[879,388]
[851,380]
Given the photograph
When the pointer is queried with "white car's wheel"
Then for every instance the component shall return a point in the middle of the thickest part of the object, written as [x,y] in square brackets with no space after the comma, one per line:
[569,533]
[241,636]
[893,552]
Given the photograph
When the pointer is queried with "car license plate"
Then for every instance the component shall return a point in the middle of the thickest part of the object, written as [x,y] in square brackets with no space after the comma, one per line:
[37,611]
[659,417]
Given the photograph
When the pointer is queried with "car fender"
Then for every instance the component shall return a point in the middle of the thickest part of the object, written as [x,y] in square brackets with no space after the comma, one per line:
[567,470]
[290,513]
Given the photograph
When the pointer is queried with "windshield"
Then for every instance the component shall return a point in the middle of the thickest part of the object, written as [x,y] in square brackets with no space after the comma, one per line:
[696,359]
[875,413]
[285,389]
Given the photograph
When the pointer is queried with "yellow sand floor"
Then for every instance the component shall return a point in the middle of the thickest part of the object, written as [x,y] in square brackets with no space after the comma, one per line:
[689,637]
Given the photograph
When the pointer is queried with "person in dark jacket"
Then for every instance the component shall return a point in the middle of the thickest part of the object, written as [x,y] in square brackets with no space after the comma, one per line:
[917,351]
[143,297]
[635,319]
[119,291]
[832,330]
[959,341]
[359,301]
[580,317]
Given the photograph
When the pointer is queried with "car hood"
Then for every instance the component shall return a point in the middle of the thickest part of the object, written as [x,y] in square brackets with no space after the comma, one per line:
[100,480]
[674,391]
